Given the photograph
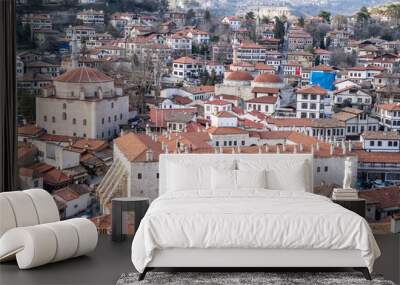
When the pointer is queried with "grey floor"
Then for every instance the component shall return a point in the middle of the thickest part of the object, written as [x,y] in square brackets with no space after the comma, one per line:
[110,260]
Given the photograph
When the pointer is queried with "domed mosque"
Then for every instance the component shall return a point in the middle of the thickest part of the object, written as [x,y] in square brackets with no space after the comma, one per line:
[82,102]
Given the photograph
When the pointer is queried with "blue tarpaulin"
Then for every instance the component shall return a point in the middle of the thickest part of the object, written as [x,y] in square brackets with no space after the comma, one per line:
[323,79]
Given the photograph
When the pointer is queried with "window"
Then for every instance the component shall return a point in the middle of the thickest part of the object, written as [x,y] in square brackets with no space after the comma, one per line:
[139,176]
[45,118]
[326,168]
[102,121]
[158,175]
[379,143]
[84,122]
[318,169]
[53,119]
[112,105]
[64,106]
[371,143]
[74,121]
[64,116]
[390,143]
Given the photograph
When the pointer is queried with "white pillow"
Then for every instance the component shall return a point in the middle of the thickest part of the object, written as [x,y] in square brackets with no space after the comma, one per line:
[188,177]
[277,176]
[251,178]
[282,173]
[223,179]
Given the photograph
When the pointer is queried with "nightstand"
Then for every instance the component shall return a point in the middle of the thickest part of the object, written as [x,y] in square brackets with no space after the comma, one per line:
[127,212]
[357,206]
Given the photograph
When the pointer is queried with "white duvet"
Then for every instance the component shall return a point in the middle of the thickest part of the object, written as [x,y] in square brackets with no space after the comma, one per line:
[250,219]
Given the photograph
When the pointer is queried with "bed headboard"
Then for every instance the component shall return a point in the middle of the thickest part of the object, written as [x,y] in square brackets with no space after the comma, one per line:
[268,160]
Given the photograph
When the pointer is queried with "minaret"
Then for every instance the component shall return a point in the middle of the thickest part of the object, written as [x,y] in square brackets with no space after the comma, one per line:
[74,52]
[235,48]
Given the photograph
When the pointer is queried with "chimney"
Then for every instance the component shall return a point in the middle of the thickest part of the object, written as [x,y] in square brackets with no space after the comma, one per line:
[149,155]
[215,150]
[266,148]
[331,149]
[233,150]
[162,146]
[259,149]
[350,146]
[343,147]
[317,146]
[239,151]
[295,148]
[278,150]
[301,147]
[284,147]
[166,149]
[312,149]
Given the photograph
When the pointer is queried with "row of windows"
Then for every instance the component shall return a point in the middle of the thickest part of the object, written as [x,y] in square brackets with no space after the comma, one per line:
[379,143]
[257,107]
[229,143]
[64,106]
[319,169]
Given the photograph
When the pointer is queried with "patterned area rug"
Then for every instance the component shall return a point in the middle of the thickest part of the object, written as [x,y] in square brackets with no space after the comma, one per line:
[243,278]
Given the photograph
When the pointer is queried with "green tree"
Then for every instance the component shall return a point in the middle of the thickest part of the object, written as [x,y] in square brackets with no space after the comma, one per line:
[207,16]
[325,15]
[363,16]
[250,16]
[265,20]
[279,29]
[26,105]
[190,14]
[213,78]
[301,21]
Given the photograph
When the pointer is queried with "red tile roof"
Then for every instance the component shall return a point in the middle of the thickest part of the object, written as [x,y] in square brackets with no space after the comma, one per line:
[227,131]
[83,75]
[217,102]
[267,78]
[389,106]
[388,197]
[314,89]
[239,76]
[263,100]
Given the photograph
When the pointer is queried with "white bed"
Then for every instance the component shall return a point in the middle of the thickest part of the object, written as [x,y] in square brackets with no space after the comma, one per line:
[202,220]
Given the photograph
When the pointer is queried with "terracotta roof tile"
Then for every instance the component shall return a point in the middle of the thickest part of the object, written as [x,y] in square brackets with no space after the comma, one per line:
[83,75]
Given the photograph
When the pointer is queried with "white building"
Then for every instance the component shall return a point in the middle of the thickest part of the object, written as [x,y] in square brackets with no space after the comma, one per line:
[224,119]
[310,102]
[179,43]
[81,33]
[380,141]
[187,67]
[198,37]
[76,197]
[361,73]
[249,51]
[91,17]
[389,116]
[213,106]
[264,104]
[234,22]
[82,102]
[356,121]
[353,96]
